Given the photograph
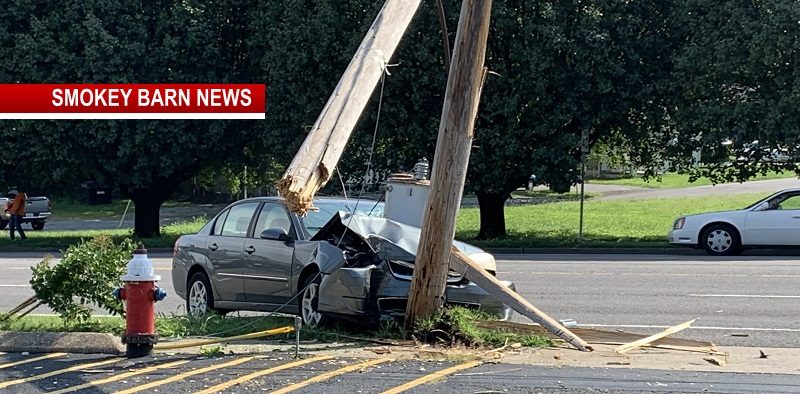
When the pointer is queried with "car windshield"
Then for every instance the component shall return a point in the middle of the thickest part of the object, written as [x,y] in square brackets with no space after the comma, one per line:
[315,220]
[753,205]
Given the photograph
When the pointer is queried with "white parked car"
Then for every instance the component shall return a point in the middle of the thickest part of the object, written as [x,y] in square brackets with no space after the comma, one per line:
[771,222]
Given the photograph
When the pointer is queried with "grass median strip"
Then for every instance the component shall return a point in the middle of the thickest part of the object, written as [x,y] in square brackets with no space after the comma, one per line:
[185,375]
[31,360]
[59,372]
[264,372]
[121,376]
[432,376]
[325,376]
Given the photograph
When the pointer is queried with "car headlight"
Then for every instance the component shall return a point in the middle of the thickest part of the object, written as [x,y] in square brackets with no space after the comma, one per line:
[679,224]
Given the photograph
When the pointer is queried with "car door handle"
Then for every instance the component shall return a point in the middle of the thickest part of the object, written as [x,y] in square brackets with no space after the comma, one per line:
[213,247]
[250,249]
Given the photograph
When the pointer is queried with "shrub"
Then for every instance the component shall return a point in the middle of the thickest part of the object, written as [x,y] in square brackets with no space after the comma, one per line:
[87,275]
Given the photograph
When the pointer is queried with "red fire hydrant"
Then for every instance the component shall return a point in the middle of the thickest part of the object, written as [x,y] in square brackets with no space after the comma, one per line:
[140,295]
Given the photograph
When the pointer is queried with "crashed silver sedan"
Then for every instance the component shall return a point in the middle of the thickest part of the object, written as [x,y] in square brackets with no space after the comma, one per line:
[342,260]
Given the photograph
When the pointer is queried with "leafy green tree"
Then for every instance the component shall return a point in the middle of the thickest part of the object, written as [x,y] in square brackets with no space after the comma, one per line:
[736,89]
[115,42]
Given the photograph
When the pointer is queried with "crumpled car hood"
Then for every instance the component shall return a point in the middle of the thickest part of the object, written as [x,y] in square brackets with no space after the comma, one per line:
[390,240]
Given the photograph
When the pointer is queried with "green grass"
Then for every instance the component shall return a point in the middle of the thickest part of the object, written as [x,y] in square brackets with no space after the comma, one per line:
[675,181]
[56,239]
[66,209]
[456,325]
[114,325]
[167,326]
[615,223]
[70,209]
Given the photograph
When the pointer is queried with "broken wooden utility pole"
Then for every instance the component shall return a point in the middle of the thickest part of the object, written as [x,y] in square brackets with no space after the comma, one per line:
[450,161]
[461,263]
[313,164]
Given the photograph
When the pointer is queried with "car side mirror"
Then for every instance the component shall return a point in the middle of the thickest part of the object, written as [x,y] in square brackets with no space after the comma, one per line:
[763,206]
[276,234]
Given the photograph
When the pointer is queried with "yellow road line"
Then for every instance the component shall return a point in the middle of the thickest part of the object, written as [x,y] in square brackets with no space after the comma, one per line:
[431,377]
[184,375]
[119,377]
[59,372]
[328,375]
[264,372]
[30,360]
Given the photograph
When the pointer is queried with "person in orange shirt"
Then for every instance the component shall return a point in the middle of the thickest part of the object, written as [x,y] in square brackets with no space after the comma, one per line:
[17,211]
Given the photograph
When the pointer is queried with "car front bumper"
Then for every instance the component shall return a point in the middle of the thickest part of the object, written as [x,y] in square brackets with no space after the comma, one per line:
[685,237]
[375,292]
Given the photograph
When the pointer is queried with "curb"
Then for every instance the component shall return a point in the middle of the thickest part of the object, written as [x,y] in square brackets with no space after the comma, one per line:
[61,342]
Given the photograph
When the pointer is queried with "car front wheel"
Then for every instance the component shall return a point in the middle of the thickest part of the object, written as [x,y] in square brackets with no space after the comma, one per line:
[721,240]
[309,303]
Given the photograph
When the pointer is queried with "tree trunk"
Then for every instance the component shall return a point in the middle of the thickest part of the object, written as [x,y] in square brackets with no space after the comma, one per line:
[493,219]
[147,202]
[147,211]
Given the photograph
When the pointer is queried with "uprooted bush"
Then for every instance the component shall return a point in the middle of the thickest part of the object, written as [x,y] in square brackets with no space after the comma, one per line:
[454,326]
[86,275]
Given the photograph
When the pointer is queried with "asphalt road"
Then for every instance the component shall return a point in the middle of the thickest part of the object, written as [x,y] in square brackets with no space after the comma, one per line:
[327,374]
[740,301]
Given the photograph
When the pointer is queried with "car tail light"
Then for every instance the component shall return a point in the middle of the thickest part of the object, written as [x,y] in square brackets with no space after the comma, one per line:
[679,223]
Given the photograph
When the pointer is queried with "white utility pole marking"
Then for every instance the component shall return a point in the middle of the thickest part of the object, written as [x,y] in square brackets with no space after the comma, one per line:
[693,327]
[744,295]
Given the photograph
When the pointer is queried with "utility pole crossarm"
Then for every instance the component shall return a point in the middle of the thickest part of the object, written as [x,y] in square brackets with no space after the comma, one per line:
[313,164]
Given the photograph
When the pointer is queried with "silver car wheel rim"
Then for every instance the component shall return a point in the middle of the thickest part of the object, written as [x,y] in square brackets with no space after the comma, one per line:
[310,315]
[719,240]
[197,299]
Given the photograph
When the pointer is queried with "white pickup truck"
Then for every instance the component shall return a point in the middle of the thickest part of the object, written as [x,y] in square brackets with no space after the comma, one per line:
[37,210]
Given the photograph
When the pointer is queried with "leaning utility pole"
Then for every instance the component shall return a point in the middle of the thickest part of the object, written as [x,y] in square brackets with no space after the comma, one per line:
[312,166]
[450,161]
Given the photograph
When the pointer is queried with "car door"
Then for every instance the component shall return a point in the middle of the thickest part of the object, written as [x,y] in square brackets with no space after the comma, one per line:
[777,225]
[269,262]
[226,251]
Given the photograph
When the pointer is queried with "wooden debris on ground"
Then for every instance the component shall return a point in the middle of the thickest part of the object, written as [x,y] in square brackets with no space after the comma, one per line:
[647,340]
[604,337]
[25,304]
[716,361]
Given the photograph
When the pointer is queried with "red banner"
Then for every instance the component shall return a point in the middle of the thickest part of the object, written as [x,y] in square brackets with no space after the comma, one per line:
[132,101]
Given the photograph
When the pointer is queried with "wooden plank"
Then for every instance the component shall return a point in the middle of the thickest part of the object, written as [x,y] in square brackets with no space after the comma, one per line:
[450,161]
[645,341]
[313,164]
[596,336]
[486,281]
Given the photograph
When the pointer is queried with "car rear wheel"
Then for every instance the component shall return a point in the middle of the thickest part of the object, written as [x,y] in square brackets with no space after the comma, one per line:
[309,303]
[3,224]
[38,225]
[200,297]
[721,240]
